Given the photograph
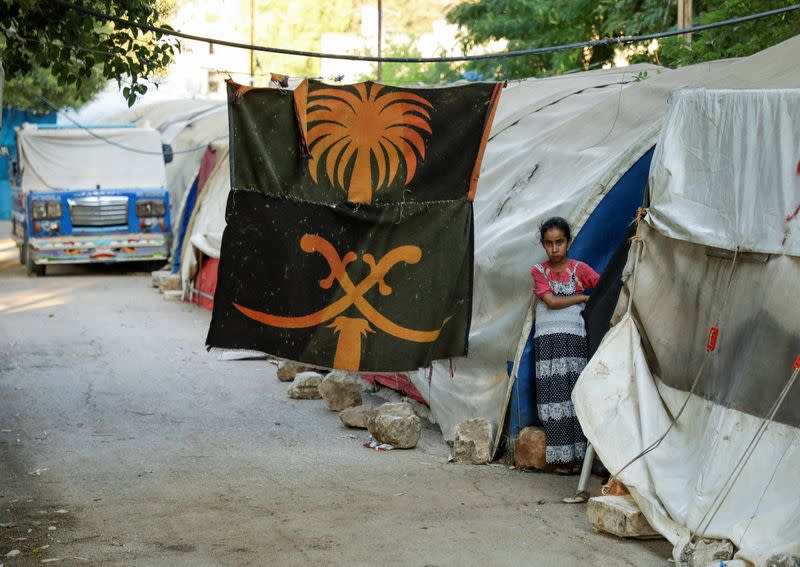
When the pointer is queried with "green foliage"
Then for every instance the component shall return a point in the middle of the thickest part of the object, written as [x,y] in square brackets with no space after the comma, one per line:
[539,23]
[298,25]
[405,74]
[68,55]
[23,91]
[739,40]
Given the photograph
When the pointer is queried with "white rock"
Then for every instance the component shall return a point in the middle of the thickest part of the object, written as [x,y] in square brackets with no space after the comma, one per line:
[473,442]
[288,369]
[306,386]
[395,424]
[340,391]
[618,515]
[356,416]
[705,551]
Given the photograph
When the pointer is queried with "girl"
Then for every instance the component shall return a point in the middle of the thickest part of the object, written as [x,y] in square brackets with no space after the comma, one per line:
[560,343]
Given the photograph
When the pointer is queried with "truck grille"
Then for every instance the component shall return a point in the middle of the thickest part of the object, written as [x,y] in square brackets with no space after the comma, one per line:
[99,211]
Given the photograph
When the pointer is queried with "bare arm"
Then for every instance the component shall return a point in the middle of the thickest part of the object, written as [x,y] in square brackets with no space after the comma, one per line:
[560,302]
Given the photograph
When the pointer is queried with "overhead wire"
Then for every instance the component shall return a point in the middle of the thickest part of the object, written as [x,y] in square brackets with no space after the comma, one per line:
[107,140]
[500,55]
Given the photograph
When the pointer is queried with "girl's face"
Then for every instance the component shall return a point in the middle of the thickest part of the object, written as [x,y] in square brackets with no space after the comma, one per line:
[555,243]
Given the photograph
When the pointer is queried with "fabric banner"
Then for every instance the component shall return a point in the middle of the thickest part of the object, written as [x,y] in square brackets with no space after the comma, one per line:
[349,238]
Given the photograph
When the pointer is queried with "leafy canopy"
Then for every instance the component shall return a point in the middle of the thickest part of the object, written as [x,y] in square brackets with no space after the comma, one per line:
[540,23]
[62,53]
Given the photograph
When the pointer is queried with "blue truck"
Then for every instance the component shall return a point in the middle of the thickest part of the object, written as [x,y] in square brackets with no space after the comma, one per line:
[89,194]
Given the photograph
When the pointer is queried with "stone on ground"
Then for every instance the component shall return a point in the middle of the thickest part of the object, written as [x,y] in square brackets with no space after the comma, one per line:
[615,488]
[619,515]
[157,276]
[783,560]
[306,386]
[288,369]
[473,441]
[340,391]
[530,449]
[357,416]
[705,551]
[396,424]
[173,295]
[170,282]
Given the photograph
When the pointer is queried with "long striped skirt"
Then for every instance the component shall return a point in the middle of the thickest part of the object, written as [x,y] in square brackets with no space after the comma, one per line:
[560,358]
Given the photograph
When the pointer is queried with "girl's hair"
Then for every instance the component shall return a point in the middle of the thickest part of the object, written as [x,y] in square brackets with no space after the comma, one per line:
[555,222]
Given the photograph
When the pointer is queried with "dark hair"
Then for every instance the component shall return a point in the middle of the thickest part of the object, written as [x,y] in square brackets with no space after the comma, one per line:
[555,222]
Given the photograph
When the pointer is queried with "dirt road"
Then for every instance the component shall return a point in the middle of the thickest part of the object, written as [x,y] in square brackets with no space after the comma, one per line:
[124,442]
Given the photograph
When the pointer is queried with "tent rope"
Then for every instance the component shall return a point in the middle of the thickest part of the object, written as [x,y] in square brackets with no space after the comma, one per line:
[716,504]
[706,357]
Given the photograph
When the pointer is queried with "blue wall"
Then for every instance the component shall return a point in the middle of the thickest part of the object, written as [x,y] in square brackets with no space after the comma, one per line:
[12,118]
[595,244]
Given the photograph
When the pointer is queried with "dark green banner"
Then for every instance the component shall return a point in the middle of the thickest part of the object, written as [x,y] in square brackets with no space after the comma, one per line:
[364,143]
[349,225]
[357,287]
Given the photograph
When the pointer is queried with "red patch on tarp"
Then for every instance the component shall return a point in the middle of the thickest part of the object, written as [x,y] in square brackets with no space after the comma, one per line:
[711,343]
[397,382]
[206,282]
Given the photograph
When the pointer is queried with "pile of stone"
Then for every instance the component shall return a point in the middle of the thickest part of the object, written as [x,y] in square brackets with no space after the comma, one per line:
[167,283]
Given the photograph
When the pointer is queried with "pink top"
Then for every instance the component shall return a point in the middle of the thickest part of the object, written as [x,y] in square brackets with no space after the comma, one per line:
[586,276]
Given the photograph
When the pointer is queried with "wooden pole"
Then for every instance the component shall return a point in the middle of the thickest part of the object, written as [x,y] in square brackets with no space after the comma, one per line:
[685,17]
[252,41]
[380,37]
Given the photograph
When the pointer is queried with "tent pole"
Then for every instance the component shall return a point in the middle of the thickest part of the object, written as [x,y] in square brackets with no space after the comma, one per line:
[581,494]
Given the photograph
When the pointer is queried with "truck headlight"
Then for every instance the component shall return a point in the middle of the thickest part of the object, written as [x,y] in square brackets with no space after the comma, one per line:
[39,209]
[54,209]
[153,208]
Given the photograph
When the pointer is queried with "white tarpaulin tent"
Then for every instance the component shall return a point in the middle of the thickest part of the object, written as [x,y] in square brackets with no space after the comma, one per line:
[187,126]
[53,159]
[557,146]
[207,223]
[719,248]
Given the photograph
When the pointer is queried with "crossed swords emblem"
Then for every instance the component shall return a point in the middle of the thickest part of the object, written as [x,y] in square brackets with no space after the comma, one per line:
[351,330]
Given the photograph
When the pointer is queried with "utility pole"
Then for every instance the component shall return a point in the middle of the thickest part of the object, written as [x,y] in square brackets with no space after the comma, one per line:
[252,41]
[380,34]
[685,17]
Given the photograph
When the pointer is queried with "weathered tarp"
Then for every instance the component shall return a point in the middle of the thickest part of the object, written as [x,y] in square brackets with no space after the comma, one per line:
[718,249]
[349,229]
[558,147]
[123,158]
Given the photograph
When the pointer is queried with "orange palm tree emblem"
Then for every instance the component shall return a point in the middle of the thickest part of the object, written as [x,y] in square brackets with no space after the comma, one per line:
[365,127]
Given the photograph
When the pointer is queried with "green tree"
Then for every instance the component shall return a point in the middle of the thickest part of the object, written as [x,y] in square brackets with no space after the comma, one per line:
[739,40]
[66,55]
[540,23]
[409,74]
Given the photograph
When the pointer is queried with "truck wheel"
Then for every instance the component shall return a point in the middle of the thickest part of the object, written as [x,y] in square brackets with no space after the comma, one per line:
[31,268]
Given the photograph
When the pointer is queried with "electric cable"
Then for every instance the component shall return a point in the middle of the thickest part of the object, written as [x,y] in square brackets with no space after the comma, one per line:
[517,53]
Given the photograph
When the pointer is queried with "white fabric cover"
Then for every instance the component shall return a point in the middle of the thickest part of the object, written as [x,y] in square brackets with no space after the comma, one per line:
[642,373]
[207,223]
[708,179]
[72,158]
[623,408]
[557,146]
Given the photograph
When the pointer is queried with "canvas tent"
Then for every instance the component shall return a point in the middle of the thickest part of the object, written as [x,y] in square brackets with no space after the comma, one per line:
[187,127]
[200,249]
[558,147]
[720,248]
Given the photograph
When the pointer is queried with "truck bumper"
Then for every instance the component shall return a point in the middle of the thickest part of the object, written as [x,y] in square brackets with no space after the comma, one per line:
[91,249]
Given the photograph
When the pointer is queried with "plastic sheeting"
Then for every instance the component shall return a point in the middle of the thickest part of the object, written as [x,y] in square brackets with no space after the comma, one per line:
[702,155]
[207,223]
[56,159]
[683,283]
[557,147]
